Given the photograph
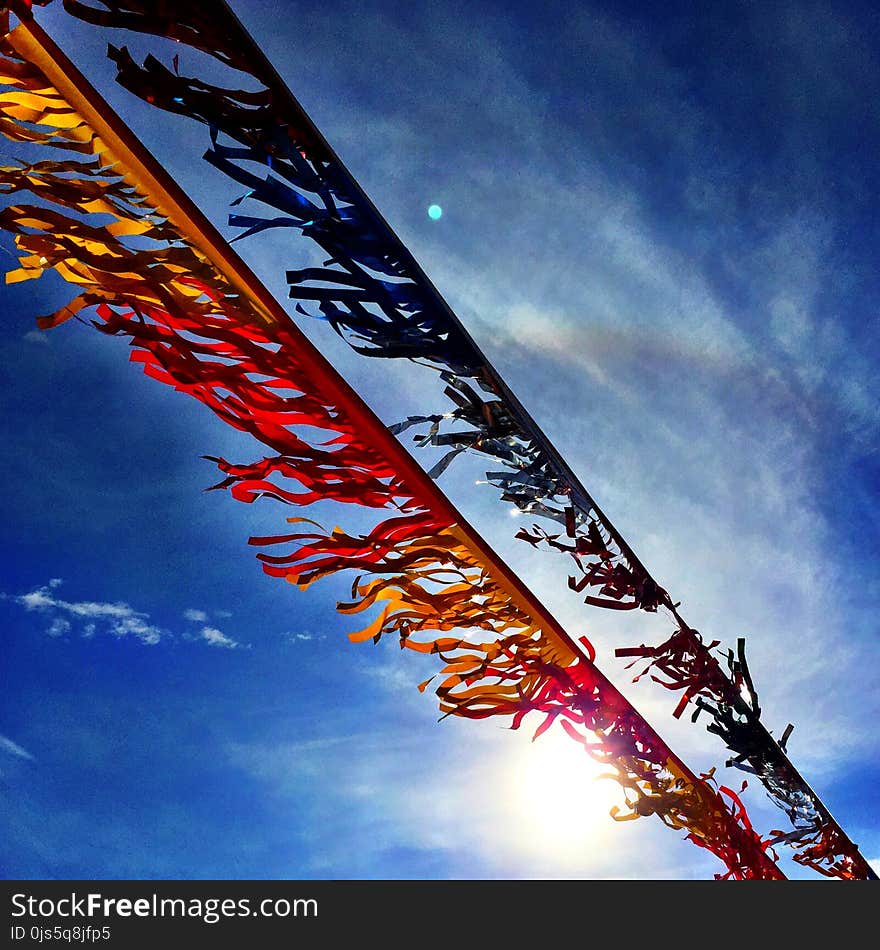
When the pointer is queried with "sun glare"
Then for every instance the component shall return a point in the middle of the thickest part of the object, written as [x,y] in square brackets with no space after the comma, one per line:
[558,799]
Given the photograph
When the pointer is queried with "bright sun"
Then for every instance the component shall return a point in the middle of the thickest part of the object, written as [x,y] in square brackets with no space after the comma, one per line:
[558,800]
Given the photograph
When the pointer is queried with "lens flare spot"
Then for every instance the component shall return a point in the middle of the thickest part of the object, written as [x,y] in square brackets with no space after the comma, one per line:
[435,212]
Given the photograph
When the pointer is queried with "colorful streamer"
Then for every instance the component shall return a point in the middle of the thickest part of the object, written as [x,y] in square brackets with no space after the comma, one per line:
[190,327]
[400,314]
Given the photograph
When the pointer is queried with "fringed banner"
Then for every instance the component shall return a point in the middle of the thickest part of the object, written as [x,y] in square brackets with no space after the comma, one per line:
[432,582]
[436,587]
[376,297]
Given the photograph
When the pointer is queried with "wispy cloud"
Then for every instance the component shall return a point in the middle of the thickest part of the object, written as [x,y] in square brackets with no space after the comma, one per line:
[302,637]
[37,336]
[13,748]
[89,618]
[713,382]
[217,638]
[117,618]
[59,627]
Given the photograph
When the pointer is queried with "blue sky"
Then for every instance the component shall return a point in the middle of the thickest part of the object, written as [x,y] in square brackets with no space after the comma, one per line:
[662,228]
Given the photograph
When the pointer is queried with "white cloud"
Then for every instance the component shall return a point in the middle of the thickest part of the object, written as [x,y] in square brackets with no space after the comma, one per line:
[137,626]
[37,336]
[39,599]
[116,619]
[13,748]
[299,637]
[217,638]
[119,618]
[58,627]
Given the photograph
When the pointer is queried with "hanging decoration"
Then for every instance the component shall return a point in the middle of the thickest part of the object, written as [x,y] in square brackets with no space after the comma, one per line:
[196,319]
[376,297]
